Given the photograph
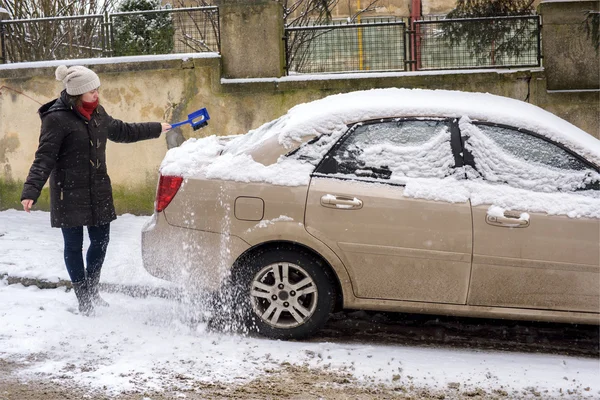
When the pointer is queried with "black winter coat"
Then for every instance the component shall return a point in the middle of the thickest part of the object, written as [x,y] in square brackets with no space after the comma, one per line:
[72,152]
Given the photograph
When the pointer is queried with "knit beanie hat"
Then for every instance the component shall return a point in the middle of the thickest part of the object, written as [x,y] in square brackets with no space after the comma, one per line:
[77,79]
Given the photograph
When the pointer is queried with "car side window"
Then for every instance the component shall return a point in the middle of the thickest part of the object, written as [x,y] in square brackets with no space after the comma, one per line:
[532,149]
[521,159]
[392,151]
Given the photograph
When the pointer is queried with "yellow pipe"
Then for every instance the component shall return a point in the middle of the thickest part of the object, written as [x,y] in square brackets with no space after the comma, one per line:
[360,44]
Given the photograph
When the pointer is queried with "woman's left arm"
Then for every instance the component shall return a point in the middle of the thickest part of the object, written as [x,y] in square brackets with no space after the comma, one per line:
[123,132]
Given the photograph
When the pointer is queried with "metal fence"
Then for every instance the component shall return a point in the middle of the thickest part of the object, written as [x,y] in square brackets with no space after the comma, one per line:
[372,46]
[477,43]
[178,30]
[52,38]
[375,45]
[182,30]
[415,45]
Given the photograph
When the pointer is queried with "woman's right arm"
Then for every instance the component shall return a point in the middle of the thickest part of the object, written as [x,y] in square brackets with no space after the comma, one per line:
[51,138]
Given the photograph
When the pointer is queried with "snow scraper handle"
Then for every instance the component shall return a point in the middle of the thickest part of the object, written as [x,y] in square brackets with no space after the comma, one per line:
[200,115]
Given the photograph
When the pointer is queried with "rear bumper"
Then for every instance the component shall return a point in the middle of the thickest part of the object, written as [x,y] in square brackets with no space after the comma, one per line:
[187,256]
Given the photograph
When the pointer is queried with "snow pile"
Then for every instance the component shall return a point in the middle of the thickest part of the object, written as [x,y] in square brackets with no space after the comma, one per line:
[213,158]
[188,158]
[200,157]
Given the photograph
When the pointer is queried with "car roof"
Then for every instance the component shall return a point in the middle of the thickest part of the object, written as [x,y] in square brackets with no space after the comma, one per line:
[335,112]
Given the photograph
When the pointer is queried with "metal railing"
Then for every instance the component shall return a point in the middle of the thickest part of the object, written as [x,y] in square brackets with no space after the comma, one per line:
[177,30]
[52,38]
[376,45]
[370,46]
[477,43]
[415,45]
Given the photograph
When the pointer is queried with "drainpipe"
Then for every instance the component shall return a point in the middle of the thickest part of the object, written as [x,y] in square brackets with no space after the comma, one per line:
[415,14]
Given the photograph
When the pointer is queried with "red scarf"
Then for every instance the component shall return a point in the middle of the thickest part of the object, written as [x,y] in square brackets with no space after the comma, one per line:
[86,109]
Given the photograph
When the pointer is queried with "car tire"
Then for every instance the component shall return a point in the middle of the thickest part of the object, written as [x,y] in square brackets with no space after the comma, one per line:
[282,293]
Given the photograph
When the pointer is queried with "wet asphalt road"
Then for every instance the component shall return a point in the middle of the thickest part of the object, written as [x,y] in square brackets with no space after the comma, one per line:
[459,332]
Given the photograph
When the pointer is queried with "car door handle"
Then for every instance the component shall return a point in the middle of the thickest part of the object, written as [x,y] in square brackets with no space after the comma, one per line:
[341,202]
[507,221]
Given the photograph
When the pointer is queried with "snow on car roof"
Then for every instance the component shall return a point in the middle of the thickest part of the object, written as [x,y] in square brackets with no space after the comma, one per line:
[216,158]
[334,112]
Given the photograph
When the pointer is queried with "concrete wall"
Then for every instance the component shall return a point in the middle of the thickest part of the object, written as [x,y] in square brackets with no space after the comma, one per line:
[239,44]
[569,56]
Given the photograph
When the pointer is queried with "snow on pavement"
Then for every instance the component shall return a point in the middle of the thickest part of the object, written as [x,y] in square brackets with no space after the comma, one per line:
[149,344]
[30,248]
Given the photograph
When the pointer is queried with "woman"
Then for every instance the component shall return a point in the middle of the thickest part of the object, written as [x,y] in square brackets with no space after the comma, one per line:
[72,152]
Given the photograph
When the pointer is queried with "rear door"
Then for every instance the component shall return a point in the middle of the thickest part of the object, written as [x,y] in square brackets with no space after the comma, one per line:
[394,247]
[548,257]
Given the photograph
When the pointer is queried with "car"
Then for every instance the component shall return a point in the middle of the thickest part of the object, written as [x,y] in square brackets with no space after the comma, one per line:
[400,200]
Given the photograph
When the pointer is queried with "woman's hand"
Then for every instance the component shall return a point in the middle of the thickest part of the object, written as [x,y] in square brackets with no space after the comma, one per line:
[165,127]
[27,204]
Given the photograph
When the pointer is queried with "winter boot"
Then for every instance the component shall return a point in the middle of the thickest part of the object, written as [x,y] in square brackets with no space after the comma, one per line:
[83,297]
[93,282]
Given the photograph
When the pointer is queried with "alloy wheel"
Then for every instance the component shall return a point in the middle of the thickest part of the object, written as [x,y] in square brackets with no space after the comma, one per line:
[283,295]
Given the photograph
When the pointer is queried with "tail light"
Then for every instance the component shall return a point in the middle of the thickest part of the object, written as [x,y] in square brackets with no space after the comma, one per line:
[167,189]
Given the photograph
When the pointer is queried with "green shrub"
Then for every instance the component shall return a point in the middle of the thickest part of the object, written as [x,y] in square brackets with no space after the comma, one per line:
[140,34]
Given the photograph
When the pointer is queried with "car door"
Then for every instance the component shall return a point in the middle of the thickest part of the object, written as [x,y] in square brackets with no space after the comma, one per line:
[393,246]
[545,259]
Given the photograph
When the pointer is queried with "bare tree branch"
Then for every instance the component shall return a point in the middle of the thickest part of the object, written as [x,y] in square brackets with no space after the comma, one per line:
[44,40]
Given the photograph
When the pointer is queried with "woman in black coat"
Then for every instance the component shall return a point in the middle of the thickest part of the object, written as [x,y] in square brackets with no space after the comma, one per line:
[72,153]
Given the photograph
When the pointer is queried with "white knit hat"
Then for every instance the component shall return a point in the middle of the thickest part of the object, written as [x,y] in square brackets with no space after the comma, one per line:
[77,79]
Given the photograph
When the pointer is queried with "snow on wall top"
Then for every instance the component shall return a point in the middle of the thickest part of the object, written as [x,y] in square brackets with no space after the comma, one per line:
[334,112]
[108,60]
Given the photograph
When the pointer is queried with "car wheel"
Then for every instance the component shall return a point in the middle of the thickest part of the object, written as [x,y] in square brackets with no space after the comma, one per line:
[284,293]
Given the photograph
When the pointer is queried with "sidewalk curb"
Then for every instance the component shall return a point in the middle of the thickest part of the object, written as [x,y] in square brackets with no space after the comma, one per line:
[130,290]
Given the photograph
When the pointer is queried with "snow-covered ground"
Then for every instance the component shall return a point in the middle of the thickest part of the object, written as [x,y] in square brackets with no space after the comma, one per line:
[149,344]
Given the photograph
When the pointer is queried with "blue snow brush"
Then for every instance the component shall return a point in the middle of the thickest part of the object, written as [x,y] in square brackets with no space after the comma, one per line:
[194,121]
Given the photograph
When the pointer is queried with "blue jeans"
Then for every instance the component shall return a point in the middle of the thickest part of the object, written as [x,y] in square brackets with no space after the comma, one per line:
[99,237]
